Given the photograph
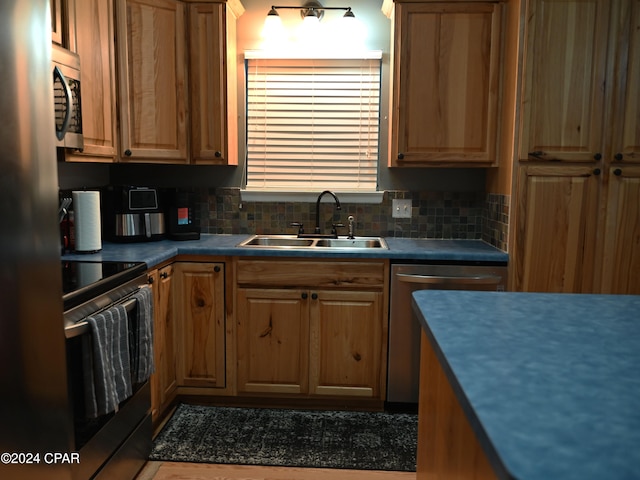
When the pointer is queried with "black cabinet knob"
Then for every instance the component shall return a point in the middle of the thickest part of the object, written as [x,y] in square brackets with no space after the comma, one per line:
[127,152]
[304,296]
[150,280]
[618,157]
[314,296]
[617,172]
[597,156]
[597,171]
[216,268]
[164,275]
[218,154]
[401,156]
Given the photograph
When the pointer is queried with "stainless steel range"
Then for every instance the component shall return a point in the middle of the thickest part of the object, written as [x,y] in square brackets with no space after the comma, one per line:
[112,442]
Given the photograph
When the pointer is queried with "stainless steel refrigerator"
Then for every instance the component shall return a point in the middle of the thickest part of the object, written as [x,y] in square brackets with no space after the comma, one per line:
[34,416]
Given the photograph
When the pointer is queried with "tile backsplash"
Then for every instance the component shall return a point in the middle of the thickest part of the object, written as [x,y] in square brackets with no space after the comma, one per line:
[437,215]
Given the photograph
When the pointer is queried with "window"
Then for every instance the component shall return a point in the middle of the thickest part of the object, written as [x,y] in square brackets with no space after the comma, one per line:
[312,124]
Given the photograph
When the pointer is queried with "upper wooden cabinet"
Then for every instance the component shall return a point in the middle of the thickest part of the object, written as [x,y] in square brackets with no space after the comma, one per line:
[63,23]
[213,84]
[152,80]
[626,123]
[177,100]
[446,83]
[96,48]
[581,81]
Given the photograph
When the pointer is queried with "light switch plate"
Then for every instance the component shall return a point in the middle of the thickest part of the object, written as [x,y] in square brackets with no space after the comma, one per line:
[401,208]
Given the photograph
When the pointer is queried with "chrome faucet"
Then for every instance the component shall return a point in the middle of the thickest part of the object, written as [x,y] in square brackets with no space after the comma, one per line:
[338,207]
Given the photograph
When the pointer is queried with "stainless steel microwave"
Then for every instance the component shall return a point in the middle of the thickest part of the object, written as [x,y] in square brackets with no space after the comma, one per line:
[67,99]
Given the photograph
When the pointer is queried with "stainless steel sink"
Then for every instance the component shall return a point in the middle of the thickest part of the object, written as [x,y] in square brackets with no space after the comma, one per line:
[350,242]
[293,242]
[277,241]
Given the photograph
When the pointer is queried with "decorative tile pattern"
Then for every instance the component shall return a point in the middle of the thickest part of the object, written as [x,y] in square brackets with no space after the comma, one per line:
[435,215]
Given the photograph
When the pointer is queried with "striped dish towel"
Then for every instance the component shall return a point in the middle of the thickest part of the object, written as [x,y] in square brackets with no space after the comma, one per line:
[143,351]
[107,369]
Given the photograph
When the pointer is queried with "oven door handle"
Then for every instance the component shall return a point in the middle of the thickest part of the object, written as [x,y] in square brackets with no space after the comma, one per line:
[449,280]
[82,326]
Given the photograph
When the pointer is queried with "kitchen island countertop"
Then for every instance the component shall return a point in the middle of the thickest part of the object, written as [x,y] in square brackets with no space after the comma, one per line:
[154,253]
[550,383]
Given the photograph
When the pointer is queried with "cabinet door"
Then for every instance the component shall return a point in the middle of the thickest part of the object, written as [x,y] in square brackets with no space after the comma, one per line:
[555,234]
[96,47]
[152,80]
[626,141]
[446,83]
[56,21]
[199,304]
[621,267]
[272,341]
[163,381]
[564,80]
[208,82]
[346,344]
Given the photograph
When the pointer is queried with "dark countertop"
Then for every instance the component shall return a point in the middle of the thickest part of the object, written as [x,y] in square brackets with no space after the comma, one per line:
[154,253]
[549,382]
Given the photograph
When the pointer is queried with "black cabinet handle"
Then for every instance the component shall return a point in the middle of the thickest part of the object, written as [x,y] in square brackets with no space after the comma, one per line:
[314,296]
[216,268]
[127,152]
[597,156]
[618,157]
[617,172]
[164,275]
[304,296]
[150,280]
[536,154]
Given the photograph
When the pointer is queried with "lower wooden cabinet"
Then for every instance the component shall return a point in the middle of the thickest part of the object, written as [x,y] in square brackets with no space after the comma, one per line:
[346,343]
[621,257]
[163,380]
[556,230]
[311,328]
[198,292]
[272,340]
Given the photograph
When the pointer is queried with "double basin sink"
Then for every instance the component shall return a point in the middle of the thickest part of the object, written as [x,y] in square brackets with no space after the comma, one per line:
[294,242]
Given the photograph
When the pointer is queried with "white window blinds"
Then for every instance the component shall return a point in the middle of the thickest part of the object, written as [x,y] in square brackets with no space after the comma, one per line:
[312,124]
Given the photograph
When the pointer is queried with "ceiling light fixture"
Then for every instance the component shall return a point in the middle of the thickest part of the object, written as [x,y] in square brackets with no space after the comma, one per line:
[311,9]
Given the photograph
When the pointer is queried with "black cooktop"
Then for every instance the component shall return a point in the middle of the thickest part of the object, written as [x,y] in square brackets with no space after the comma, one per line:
[83,281]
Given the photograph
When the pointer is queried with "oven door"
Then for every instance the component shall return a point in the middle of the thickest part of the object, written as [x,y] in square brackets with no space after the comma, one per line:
[120,441]
[403,369]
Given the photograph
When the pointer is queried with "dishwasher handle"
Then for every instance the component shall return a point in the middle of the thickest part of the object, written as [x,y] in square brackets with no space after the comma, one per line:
[449,279]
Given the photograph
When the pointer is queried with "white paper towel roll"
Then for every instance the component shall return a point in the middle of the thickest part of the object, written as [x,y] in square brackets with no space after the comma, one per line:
[86,209]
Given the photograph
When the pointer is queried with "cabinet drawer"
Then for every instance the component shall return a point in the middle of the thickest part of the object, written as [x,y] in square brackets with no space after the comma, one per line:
[296,274]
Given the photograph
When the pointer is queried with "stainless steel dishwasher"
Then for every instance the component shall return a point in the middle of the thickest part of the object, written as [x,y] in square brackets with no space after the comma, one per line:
[403,368]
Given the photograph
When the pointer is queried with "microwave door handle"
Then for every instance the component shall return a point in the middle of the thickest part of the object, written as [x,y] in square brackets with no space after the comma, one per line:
[449,280]
[57,74]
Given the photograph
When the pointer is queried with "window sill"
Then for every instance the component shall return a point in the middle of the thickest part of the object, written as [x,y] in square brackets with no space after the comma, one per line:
[309,197]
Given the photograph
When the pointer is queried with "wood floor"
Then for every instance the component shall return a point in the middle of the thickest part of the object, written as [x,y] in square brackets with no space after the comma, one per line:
[200,471]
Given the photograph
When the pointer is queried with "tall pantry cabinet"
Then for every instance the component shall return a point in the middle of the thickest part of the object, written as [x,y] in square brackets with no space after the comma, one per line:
[577,226]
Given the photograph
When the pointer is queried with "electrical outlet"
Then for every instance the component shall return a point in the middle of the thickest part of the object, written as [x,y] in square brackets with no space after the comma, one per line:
[401,208]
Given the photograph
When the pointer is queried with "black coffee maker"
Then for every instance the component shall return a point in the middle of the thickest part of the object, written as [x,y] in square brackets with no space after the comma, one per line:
[182,220]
